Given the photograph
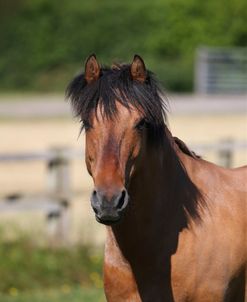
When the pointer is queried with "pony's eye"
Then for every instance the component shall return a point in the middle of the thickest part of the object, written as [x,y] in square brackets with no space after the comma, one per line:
[86,125]
[141,124]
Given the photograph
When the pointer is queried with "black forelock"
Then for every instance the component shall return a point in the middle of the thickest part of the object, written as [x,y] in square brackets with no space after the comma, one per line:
[116,84]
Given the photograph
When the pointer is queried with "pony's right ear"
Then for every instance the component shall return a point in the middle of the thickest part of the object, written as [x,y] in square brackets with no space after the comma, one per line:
[138,70]
[92,69]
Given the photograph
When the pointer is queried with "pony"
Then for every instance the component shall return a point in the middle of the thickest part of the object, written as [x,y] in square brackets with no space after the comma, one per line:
[176,224]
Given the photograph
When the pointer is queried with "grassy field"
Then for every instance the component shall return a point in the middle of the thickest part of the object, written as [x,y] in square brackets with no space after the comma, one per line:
[33,273]
[59,295]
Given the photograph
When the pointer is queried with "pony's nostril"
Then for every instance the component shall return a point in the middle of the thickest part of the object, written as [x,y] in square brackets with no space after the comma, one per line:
[95,210]
[94,201]
[121,200]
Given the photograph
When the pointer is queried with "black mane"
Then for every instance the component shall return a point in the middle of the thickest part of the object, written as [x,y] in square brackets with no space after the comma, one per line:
[116,84]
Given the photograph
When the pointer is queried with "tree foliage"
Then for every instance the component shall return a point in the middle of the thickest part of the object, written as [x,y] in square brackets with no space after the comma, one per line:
[43,42]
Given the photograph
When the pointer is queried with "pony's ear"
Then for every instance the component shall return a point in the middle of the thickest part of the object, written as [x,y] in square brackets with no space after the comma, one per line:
[92,69]
[138,70]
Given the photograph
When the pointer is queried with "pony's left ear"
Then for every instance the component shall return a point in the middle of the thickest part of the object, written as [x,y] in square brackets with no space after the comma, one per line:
[138,70]
[92,69]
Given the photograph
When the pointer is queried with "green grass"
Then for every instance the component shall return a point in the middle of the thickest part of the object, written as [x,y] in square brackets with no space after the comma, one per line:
[31,273]
[64,294]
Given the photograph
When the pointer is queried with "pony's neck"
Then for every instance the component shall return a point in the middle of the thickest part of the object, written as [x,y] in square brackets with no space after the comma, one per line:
[162,197]
[161,192]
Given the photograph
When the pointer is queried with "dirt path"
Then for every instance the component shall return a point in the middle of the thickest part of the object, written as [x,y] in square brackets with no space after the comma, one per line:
[40,134]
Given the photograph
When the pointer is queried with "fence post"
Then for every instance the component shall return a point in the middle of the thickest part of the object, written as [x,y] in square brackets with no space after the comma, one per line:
[226,153]
[59,189]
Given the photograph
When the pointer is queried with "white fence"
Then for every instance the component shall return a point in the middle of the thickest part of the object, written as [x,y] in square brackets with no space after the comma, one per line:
[55,205]
[56,202]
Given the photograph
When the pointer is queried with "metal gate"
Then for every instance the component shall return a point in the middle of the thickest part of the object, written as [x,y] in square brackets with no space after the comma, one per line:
[221,71]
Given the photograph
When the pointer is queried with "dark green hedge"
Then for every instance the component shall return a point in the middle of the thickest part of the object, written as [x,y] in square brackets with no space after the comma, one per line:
[44,42]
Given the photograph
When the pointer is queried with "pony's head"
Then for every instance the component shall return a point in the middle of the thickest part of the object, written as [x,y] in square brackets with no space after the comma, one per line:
[122,112]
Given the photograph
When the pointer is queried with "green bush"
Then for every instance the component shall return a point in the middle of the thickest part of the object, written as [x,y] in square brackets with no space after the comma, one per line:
[24,266]
[43,42]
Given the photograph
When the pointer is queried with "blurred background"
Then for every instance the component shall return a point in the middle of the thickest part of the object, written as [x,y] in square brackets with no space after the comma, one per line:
[51,248]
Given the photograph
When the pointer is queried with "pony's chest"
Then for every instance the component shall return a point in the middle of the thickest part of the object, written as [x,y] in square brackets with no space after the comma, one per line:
[191,273]
[119,283]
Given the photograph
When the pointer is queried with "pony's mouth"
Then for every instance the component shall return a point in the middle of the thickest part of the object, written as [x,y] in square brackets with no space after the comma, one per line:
[108,221]
[109,214]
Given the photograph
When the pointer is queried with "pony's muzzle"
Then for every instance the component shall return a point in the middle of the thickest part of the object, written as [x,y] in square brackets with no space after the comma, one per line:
[109,209]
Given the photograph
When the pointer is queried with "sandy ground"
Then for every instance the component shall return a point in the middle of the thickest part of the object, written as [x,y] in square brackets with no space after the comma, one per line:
[39,135]
[50,105]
